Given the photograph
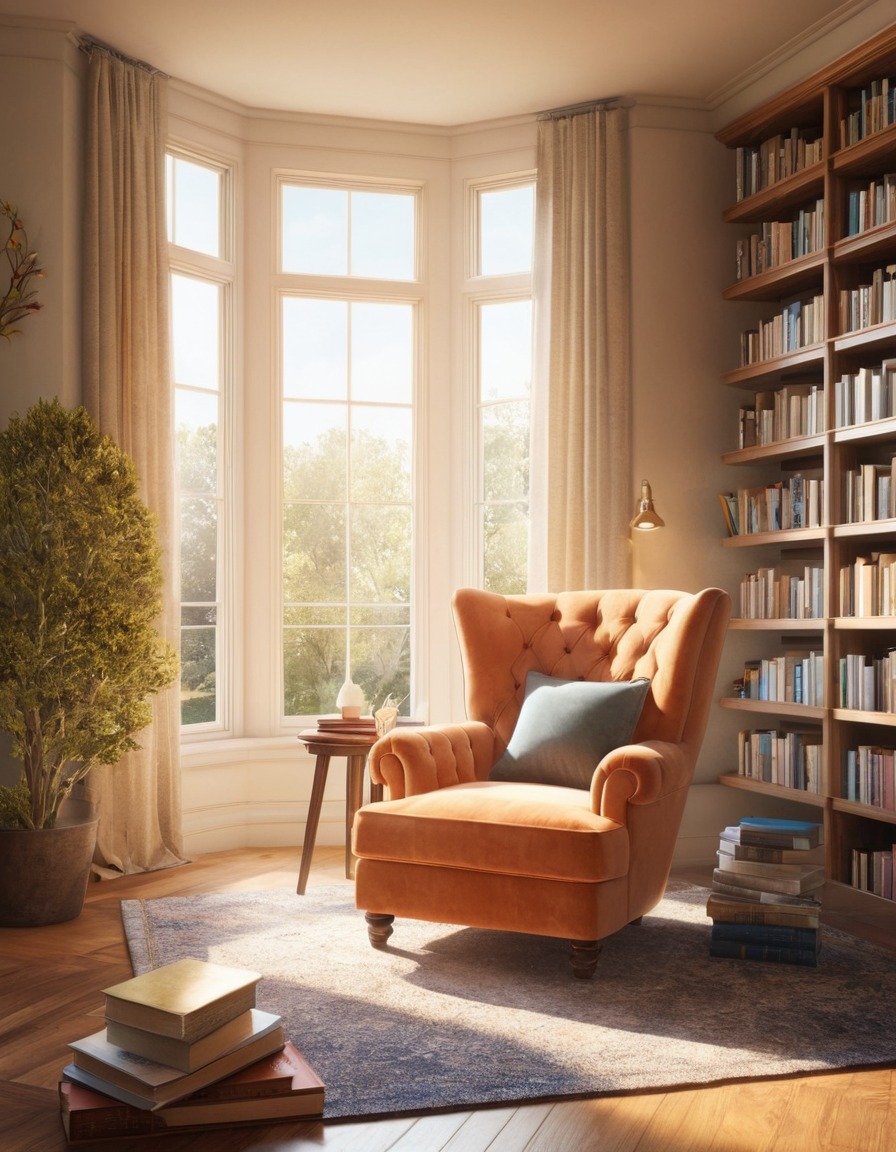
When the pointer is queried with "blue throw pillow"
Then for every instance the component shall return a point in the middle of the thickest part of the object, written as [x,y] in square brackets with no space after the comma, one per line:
[566,727]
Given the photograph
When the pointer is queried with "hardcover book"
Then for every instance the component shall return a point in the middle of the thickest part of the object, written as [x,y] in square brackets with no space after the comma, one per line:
[91,1115]
[186,999]
[147,1084]
[185,1055]
[739,909]
[777,833]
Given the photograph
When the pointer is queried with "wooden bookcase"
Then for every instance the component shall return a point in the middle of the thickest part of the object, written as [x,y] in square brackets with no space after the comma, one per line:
[824,107]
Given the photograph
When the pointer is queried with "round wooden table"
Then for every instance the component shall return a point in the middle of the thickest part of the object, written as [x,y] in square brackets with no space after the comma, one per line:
[322,745]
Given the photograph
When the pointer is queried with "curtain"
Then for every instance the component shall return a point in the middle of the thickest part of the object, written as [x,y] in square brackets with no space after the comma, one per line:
[126,387]
[581,491]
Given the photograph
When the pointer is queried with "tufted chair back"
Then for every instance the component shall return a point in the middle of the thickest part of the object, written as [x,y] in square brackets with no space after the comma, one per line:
[617,634]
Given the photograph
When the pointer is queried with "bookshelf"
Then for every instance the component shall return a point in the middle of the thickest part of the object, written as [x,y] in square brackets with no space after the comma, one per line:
[814,255]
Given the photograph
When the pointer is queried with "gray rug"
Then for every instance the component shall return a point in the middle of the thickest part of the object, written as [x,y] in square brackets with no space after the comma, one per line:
[452,1017]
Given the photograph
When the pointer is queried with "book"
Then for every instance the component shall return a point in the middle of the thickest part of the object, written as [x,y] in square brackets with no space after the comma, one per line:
[761,853]
[147,1084]
[784,935]
[186,999]
[722,883]
[184,1055]
[88,1114]
[738,950]
[777,833]
[793,878]
[737,908]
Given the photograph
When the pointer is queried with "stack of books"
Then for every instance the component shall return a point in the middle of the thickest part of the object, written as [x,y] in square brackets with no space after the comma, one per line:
[185,1047]
[766,895]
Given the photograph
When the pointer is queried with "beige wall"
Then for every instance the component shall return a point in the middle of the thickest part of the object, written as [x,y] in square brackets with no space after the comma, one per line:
[40,92]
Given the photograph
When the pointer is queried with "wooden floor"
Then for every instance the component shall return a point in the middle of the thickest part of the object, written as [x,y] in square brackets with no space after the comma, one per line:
[50,994]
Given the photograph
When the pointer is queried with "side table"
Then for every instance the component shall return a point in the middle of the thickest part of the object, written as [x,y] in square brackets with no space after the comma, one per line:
[322,745]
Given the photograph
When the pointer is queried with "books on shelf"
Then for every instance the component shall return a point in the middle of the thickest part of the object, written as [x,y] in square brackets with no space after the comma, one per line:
[783,506]
[784,414]
[761,165]
[791,678]
[869,304]
[779,241]
[865,395]
[144,1083]
[186,999]
[282,1086]
[790,758]
[869,776]
[776,593]
[764,904]
[799,324]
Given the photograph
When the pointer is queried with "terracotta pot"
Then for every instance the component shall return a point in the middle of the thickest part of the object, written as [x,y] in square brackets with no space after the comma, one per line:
[44,872]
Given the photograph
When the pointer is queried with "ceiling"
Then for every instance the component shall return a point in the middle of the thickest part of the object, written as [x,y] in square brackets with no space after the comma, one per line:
[445,63]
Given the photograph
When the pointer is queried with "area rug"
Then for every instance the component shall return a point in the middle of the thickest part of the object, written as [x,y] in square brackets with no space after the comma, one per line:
[449,1017]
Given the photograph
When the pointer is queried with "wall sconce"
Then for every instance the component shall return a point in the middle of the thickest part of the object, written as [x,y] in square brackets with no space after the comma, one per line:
[646,518]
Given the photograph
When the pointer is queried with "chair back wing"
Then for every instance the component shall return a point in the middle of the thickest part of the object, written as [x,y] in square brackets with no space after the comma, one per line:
[673,638]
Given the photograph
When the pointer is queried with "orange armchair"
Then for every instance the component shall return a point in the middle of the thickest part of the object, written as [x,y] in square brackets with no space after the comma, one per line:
[453,845]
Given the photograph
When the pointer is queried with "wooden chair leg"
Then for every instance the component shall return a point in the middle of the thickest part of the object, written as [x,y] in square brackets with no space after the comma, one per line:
[379,928]
[583,957]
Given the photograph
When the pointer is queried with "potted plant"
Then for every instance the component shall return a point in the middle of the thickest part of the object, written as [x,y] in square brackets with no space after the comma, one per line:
[80,657]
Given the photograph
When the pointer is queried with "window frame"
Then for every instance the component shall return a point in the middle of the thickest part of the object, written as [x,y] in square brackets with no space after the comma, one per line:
[479,291]
[221,270]
[351,289]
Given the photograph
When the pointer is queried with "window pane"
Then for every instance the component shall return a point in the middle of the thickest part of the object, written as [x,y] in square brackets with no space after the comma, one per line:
[382,352]
[505,349]
[315,230]
[380,555]
[194,206]
[314,553]
[381,664]
[198,549]
[506,230]
[195,324]
[315,348]
[382,235]
[505,451]
[314,451]
[381,454]
[505,547]
[313,669]
[198,704]
[196,419]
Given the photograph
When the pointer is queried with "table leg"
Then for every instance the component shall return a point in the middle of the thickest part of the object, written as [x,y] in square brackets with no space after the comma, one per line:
[354,798]
[321,767]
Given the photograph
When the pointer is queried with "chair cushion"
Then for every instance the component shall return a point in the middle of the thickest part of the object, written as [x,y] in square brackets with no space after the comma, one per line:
[512,829]
[566,727]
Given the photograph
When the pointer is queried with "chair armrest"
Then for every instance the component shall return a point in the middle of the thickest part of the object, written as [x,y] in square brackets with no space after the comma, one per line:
[639,774]
[410,761]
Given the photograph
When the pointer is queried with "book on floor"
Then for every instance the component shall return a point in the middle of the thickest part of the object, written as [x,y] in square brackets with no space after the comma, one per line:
[185,1055]
[281,1087]
[186,999]
[790,878]
[768,953]
[147,1084]
[773,832]
[740,909]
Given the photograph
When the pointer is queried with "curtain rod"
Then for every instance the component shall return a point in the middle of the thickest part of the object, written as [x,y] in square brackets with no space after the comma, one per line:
[88,43]
[585,106]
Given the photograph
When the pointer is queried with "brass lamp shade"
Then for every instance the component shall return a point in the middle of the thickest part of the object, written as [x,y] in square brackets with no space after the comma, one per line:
[646,518]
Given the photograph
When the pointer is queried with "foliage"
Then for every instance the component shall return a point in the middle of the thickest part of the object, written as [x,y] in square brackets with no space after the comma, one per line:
[80,589]
[18,300]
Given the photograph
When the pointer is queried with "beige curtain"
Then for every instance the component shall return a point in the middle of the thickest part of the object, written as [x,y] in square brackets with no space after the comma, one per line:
[581,492]
[127,390]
